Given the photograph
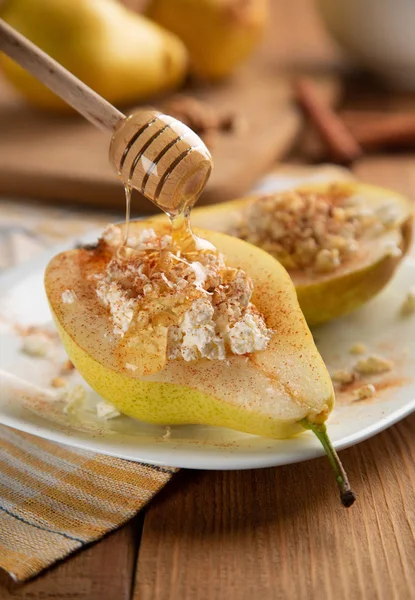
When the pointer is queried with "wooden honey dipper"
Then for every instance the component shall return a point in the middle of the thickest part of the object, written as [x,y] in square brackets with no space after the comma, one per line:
[152,152]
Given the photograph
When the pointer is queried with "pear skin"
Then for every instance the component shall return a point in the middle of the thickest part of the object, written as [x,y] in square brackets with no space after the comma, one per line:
[121,55]
[218,34]
[326,297]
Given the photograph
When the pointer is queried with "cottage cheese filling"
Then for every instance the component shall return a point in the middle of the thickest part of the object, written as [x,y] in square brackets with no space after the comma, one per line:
[204,305]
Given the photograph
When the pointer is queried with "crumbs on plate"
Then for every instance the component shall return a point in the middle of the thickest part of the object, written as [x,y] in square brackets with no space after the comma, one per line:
[366,391]
[408,306]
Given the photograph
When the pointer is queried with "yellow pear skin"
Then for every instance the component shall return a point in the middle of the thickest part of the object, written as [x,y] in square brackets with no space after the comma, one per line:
[121,55]
[324,298]
[267,393]
[219,34]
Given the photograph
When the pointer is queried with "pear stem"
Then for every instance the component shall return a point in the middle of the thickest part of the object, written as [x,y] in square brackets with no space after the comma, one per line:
[347,495]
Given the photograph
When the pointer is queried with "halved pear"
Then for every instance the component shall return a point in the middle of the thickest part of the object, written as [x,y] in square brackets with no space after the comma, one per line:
[267,393]
[325,296]
[274,393]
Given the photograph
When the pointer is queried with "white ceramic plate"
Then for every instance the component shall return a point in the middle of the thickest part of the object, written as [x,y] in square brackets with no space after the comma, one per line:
[27,402]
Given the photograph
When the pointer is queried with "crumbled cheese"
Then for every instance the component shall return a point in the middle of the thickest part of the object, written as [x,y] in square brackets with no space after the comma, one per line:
[366,391]
[196,337]
[200,273]
[408,306]
[112,235]
[248,335]
[204,304]
[74,399]
[145,240]
[36,345]
[149,240]
[106,411]
[358,348]
[203,334]
[120,305]
[373,365]
[68,297]
[344,377]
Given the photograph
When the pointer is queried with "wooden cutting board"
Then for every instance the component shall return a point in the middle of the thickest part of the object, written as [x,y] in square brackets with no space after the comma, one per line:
[54,157]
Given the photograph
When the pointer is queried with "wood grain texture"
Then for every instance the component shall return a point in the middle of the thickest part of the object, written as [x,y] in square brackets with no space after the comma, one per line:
[281,533]
[47,156]
[103,571]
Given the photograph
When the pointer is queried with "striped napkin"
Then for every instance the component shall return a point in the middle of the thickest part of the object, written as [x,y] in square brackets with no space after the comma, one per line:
[55,499]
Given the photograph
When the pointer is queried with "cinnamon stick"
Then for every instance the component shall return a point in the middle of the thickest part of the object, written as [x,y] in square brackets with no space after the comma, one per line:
[376,130]
[343,147]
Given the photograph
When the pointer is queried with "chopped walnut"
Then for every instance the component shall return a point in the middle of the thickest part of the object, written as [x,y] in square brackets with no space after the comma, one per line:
[408,306]
[74,399]
[37,345]
[344,377]
[58,382]
[373,365]
[327,260]
[67,367]
[358,348]
[366,391]
[313,231]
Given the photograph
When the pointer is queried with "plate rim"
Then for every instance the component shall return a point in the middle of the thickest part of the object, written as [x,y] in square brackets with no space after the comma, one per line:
[208,462]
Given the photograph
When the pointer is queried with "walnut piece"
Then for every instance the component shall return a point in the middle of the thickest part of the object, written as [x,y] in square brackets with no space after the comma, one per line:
[312,231]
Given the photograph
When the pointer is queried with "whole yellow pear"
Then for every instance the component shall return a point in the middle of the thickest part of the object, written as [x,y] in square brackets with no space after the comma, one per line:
[219,34]
[121,55]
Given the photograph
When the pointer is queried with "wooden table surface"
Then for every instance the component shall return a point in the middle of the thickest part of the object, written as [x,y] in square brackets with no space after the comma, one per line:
[272,533]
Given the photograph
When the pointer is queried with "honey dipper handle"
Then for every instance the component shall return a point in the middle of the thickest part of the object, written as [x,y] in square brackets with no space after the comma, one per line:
[39,64]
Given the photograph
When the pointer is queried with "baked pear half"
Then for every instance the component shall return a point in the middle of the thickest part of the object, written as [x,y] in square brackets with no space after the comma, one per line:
[228,346]
[341,242]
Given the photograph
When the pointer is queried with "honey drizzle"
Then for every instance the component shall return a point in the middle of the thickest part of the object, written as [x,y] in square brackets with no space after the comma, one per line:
[127,189]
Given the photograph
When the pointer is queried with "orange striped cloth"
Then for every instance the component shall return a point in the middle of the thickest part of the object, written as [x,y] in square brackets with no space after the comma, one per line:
[55,499]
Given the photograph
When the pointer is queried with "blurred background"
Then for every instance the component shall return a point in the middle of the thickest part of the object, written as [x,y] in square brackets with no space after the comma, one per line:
[262,81]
